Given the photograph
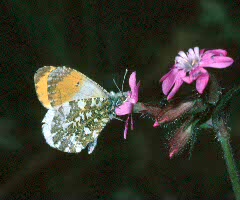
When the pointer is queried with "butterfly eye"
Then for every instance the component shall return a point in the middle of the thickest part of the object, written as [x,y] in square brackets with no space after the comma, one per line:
[121,100]
[118,103]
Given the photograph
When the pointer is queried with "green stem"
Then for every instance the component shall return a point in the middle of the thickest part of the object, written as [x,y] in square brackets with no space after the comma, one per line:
[231,165]
[223,136]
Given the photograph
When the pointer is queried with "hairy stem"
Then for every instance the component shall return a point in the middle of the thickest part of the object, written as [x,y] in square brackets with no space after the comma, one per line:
[223,137]
[231,165]
[218,120]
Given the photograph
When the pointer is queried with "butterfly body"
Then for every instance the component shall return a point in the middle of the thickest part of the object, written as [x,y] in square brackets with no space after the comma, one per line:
[78,108]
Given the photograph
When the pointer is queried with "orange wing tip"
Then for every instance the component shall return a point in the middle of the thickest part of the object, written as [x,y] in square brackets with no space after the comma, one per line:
[41,84]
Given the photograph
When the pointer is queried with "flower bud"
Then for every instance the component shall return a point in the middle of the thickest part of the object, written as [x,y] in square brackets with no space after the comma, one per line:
[180,138]
[168,113]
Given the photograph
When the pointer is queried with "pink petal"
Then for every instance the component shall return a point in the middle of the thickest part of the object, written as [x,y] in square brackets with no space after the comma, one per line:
[207,56]
[217,52]
[202,52]
[169,81]
[156,124]
[194,74]
[178,82]
[126,128]
[202,81]
[173,152]
[124,109]
[166,75]
[176,87]
[187,79]
[134,88]
[217,62]
[133,79]
[134,94]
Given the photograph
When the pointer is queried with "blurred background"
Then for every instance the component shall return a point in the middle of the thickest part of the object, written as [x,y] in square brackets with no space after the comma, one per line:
[101,39]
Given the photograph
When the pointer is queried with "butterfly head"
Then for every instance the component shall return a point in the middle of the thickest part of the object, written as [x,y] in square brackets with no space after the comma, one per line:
[118,99]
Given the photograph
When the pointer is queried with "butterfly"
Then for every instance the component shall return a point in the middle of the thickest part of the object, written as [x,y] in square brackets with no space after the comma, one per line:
[78,108]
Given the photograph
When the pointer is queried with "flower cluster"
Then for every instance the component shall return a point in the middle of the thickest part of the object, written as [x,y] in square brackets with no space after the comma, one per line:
[188,67]
[172,112]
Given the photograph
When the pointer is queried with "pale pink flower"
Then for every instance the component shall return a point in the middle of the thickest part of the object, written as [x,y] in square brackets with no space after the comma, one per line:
[127,107]
[190,66]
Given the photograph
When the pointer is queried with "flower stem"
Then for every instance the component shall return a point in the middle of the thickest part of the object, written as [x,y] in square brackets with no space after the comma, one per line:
[231,165]
[220,127]
[138,107]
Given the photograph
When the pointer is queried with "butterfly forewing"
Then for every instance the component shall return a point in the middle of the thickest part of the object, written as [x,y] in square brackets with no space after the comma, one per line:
[66,84]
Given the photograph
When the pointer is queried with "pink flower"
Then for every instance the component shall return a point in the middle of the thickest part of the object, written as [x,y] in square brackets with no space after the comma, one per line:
[127,107]
[190,67]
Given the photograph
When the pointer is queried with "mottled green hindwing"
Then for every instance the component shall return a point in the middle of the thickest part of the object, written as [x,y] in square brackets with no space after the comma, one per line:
[77,124]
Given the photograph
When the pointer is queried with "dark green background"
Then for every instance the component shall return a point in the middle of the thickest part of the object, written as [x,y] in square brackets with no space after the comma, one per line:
[102,39]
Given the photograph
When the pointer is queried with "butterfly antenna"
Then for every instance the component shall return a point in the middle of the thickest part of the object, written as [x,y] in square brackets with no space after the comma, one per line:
[124,79]
[116,85]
